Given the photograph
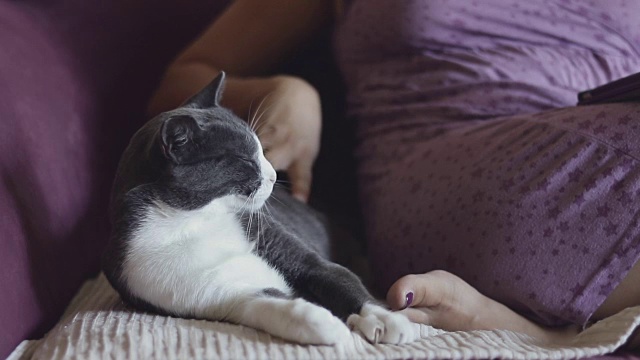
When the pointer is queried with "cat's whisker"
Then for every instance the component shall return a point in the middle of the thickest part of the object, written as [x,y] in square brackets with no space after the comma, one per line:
[266,109]
[247,231]
[259,131]
[280,202]
[244,208]
[261,229]
[265,222]
[281,186]
[261,236]
[249,120]
[250,223]
[257,214]
[259,127]
[269,213]
[256,119]
[252,115]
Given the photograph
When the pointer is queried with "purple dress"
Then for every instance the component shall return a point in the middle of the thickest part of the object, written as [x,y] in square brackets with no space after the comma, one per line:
[473,158]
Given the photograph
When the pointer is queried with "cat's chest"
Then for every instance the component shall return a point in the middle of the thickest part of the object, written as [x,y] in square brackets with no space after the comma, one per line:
[207,235]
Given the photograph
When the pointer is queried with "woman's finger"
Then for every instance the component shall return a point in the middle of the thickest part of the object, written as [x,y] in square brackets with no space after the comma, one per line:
[300,174]
[270,135]
[420,316]
[279,156]
[423,290]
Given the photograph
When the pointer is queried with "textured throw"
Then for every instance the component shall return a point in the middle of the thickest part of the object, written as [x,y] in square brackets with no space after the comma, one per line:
[98,326]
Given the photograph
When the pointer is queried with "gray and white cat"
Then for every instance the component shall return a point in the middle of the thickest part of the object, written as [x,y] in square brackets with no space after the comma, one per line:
[191,237]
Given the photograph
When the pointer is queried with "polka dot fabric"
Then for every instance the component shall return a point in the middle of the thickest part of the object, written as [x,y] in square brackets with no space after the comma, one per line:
[472,157]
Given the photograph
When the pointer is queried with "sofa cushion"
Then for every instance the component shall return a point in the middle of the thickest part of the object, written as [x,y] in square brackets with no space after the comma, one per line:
[97,325]
[75,76]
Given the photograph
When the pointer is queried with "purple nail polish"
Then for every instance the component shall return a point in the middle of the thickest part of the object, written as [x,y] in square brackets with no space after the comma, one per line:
[408,299]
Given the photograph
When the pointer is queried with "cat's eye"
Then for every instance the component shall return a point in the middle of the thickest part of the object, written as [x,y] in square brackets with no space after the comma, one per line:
[180,141]
[247,190]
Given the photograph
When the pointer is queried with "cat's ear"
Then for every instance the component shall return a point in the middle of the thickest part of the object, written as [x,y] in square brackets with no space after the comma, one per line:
[177,134]
[210,96]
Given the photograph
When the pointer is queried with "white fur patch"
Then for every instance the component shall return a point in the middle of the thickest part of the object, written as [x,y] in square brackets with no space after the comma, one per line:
[196,263]
[296,320]
[268,180]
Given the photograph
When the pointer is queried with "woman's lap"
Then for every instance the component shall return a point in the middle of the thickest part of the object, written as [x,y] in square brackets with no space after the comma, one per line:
[535,211]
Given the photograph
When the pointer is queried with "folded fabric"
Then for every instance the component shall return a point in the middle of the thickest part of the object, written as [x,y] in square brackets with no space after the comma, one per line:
[98,325]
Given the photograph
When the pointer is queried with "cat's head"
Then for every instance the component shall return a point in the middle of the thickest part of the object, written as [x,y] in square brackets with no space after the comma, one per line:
[210,153]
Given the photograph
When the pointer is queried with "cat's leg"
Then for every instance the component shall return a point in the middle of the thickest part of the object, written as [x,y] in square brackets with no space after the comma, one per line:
[330,285]
[335,288]
[247,291]
[291,319]
[341,291]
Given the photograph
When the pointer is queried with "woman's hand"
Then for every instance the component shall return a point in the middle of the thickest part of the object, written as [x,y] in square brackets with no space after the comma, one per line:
[249,39]
[445,301]
[286,115]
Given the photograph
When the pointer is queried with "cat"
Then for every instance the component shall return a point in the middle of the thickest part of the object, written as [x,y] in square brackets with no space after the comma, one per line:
[199,231]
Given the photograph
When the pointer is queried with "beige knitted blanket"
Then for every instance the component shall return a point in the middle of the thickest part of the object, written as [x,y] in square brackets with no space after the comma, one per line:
[98,326]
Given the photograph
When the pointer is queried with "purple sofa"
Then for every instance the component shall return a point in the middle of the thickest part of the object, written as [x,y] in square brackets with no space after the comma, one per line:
[75,76]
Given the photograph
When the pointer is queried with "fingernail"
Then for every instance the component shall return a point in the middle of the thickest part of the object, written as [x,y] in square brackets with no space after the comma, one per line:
[408,299]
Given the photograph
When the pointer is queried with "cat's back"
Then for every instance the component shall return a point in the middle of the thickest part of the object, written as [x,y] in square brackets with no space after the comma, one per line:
[310,226]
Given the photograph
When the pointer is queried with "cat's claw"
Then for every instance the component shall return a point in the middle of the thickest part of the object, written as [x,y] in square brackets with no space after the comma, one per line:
[379,325]
[369,327]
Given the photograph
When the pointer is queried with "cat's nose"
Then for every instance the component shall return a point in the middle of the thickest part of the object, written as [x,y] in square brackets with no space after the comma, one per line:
[273,177]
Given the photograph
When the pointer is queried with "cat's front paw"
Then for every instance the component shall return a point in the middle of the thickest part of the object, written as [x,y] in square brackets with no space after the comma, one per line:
[379,325]
[312,324]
